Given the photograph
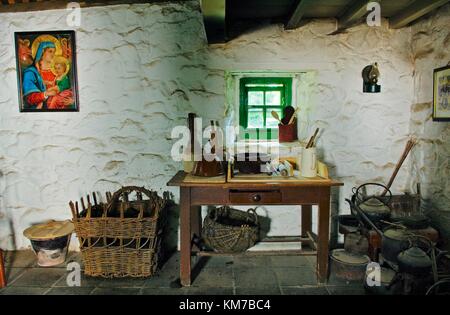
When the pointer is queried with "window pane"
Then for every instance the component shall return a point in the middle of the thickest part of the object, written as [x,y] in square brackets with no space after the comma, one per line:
[273,98]
[270,121]
[255,98]
[255,118]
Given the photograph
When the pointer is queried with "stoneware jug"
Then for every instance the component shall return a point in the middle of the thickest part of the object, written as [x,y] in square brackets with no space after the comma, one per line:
[308,163]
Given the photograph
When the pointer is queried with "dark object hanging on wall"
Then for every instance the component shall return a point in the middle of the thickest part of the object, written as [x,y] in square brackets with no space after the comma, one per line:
[228,230]
[370,76]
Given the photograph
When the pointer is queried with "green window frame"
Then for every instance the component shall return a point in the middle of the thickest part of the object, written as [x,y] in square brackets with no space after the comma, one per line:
[262,86]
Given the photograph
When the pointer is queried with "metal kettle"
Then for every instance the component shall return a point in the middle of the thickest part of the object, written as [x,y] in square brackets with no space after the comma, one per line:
[414,261]
[376,208]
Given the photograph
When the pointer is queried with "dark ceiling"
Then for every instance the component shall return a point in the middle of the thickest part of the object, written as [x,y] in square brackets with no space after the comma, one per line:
[225,19]
[230,17]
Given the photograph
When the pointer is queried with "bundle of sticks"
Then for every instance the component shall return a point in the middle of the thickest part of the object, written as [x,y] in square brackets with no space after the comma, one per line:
[409,145]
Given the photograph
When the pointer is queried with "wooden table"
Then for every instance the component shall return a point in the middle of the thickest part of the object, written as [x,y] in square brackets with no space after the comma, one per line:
[306,193]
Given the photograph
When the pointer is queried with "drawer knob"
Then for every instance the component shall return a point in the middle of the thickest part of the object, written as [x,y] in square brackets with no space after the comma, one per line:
[256,198]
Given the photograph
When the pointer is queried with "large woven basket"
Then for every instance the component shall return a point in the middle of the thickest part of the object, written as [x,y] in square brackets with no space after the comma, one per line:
[114,244]
[228,230]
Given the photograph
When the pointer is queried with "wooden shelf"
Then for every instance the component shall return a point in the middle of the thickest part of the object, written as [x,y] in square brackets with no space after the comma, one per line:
[308,248]
[292,252]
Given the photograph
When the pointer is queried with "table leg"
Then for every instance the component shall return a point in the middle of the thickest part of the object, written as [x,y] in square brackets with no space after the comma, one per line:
[196,224]
[323,235]
[185,236]
[2,271]
[306,220]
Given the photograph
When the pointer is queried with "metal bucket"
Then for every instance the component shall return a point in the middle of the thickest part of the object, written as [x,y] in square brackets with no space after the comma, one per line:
[348,267]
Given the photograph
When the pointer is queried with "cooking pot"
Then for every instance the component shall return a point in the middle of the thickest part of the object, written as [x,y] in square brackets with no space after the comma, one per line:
[348,223]
[416,222]
[394,241]
[347,266]
[355,243]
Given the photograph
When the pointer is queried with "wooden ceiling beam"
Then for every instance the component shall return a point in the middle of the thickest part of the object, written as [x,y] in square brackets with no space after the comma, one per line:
[416,10]
[353,14]
[215,20]
[297,14]
[36,5]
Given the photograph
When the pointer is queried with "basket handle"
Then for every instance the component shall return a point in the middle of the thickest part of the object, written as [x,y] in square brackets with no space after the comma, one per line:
[127,190]
[252,211]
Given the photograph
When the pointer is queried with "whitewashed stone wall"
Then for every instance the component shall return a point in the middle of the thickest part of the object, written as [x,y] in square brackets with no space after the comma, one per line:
[138,79]
[142,68]
[431,159]
[431,167]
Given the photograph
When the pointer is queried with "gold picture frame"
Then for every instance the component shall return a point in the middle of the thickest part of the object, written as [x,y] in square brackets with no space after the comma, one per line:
[441,94]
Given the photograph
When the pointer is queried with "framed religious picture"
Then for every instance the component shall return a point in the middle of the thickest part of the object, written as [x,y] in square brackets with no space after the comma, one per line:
[441,94]
[46,71]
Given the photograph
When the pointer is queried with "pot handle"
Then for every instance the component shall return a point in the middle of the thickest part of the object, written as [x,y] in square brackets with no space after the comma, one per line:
[358,194]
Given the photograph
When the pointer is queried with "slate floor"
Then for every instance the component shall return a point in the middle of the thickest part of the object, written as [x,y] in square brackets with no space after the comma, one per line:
[287,275]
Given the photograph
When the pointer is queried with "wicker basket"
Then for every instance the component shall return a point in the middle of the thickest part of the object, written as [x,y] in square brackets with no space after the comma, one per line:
[120,246]
[228,230]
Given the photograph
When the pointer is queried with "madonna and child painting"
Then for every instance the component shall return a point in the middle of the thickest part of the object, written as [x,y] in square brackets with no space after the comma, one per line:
[46,71]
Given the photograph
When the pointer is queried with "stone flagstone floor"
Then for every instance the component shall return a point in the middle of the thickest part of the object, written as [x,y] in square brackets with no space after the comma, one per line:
[275,275]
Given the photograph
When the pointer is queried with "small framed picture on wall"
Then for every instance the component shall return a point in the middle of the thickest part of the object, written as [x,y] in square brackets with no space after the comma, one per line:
[441,94]
[46,71]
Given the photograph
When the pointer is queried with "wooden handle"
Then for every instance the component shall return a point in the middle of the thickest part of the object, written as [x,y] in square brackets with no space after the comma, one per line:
[409,145]
[312,139]
[2,271]
[275,115]
[293,116]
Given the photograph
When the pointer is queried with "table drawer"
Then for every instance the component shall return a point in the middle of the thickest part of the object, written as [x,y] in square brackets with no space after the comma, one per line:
[254,196]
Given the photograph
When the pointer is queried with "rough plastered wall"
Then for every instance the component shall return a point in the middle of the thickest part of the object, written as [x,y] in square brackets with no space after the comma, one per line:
[142,68]
[363,135]
[135,64]
[430,160]
[431,49]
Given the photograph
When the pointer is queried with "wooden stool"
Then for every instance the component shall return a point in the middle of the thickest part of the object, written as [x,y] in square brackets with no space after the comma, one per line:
[2,271]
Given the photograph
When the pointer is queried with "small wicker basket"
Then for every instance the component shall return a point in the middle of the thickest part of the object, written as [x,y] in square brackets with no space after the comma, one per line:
[228,230]
[120,246]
